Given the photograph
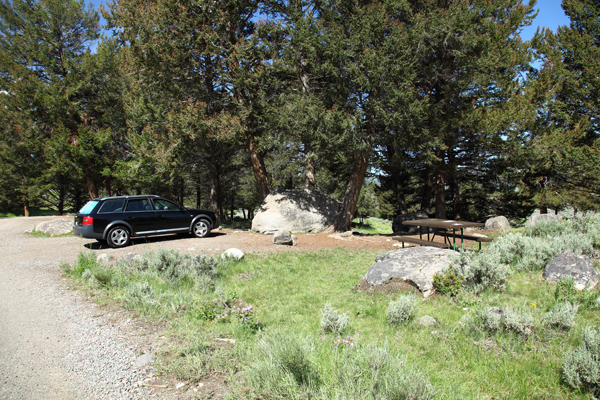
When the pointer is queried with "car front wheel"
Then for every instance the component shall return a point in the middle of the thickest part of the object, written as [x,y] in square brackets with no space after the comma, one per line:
[118,237]
[201,228]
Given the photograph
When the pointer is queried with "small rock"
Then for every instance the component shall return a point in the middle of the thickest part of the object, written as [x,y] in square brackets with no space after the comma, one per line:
[426,320]
[104,258]
[283,238]
[180,385]
[233,253]
[144,360]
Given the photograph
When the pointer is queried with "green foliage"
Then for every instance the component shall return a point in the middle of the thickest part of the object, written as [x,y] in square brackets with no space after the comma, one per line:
[373,372]
[486,271]
[449,282]
[176,267]
[581,367]
[332,321]
[562,316]
[567,292]
[141,296]
[285,367]
[402,309]
[510,319]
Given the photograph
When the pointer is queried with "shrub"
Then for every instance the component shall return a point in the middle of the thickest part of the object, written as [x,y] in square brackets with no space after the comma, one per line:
[562,316]
[140,295]
[518,321]
[175,267]
[401,310]
[448,282]
[283,367]
[486,271]
[581,368]
[373,372]
[332,321]
[566,291]
[491,319]
[509,319]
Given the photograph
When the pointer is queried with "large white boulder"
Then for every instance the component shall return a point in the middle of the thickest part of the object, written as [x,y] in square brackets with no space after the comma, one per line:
[295,210]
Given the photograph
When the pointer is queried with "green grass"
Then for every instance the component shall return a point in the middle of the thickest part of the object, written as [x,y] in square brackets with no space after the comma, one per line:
[289,292]
[372,226]
[37,233]
[34,212]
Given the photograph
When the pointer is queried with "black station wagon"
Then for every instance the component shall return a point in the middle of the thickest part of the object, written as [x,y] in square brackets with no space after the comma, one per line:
[115,220]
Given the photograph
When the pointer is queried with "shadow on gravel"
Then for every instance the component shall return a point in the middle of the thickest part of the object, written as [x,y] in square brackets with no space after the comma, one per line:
[151,239]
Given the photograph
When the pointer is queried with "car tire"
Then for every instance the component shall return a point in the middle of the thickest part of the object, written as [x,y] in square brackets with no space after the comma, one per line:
[118,237]
[201,228]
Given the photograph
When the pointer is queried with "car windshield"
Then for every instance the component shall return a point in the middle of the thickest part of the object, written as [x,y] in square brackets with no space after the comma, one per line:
[88,207]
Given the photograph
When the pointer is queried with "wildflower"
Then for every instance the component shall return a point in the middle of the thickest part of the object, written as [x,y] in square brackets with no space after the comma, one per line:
[533,305]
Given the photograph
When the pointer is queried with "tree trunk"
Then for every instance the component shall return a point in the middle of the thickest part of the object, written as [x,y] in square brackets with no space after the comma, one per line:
[309,170]
[215,183]
[91,186]
[343,219]
[427,193]
[26,207]
[258,165]
[454,187]
[440,187]
[62,194]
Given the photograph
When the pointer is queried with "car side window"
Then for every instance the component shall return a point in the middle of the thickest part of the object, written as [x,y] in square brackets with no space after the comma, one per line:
[112,206]
[165,205]
[139,205]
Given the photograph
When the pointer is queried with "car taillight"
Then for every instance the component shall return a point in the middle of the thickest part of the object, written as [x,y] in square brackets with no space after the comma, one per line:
[87,221]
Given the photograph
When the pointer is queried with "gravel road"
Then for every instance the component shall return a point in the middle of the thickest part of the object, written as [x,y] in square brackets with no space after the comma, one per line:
[56,344]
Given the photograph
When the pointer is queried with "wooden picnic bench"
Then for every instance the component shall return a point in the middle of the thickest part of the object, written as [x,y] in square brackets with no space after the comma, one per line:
[420,242]
[445,228]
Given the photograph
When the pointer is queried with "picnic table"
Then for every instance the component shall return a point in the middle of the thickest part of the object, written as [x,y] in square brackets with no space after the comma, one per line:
[447,228]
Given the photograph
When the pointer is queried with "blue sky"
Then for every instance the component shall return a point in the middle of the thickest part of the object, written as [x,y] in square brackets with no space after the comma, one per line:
[550,15]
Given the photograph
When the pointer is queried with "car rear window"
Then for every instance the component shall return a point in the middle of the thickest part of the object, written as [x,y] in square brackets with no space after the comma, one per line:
[111,206]
[89,207]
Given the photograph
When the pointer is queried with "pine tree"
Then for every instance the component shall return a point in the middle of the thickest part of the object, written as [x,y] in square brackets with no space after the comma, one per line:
[42,45]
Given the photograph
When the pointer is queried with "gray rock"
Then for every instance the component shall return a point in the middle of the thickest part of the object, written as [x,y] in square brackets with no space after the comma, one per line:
[426,320]
[232,253]
[60,226]
[497,223]
[145,359]
[398,228]
[283,238]
[295,210]
[104,258]
[130,258]
[416,265]
[534,219]
[578,267]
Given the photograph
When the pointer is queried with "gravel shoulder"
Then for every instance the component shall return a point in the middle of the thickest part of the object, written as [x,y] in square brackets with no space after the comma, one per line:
[56,344]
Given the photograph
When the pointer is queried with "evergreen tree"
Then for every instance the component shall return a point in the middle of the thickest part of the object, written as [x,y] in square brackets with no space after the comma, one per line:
[42,45]
[564,151]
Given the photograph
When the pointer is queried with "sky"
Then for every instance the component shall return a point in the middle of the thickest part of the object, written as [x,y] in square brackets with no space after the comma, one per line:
[550,15]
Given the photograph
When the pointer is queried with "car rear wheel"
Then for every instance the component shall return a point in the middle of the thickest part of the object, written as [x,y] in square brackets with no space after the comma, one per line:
[118,237]
[201,228]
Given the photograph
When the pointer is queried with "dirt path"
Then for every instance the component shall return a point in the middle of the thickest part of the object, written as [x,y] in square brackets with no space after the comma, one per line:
[54,344]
